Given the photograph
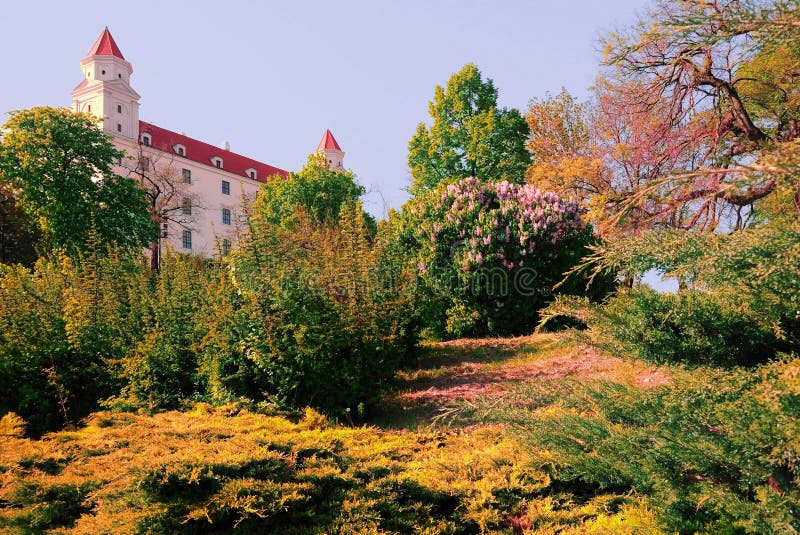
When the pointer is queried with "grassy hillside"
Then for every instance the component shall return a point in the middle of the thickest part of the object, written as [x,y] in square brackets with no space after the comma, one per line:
[525,435]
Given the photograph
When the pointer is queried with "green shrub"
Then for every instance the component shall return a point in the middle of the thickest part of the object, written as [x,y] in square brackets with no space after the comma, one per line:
[61,323]
[691,326]
[489,254]
[327,327]
[716,451]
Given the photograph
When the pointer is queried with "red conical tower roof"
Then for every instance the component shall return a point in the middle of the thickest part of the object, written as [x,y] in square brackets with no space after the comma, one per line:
[105,46]
[328,142]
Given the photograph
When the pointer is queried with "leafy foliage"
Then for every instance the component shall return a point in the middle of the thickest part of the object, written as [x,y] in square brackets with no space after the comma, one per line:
[692,327]
[19,235]
[229,469]
[490,253]
[327,328]
[469,136]
[714,451]
[62,163]
[319,191]
[61,323]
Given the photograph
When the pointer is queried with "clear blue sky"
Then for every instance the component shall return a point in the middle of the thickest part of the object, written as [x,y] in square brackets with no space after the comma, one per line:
[270,77]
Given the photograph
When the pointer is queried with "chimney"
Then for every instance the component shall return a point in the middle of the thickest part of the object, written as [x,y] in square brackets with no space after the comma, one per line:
[226,145]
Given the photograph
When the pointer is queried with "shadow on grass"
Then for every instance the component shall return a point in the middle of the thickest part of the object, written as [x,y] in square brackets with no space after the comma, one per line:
[461,369]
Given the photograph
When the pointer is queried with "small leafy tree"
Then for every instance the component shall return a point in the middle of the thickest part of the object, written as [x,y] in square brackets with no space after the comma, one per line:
[470,135]
[319,191]
[61,164]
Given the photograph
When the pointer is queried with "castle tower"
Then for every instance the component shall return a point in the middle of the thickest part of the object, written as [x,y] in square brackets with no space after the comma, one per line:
[332,151]
[106,91]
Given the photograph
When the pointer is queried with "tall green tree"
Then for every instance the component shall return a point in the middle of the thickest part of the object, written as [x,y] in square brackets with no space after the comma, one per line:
[61,163]
[470,135]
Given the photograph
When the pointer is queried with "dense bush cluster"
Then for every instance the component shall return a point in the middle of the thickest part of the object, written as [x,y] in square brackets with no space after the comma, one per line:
[713,451]
[305,313]
[491,252]
[691,327]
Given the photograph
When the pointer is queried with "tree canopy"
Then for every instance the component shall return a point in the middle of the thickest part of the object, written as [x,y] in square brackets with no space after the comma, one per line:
[318,190]
[60,163]
[689,99]
[470,135]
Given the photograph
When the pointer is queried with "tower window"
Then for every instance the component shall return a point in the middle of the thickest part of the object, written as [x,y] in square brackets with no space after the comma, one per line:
[119,108]
[187,239]
[119,127]
[102,72]
[186,206]
[187,176]
[226,216]
[146,140]
[226,187]
[226,246]
[119,76]
[89,108]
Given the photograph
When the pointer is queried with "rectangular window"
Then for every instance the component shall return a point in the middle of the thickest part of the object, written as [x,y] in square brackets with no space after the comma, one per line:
[119,108]
[187,239]
[144,164]
[226,216]
[226,246]
[226,187]
[187,176]
[119,127]
[186,206]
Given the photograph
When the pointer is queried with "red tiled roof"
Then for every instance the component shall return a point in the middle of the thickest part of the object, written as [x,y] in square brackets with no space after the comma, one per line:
[105,46]
[200,152]
[328,142]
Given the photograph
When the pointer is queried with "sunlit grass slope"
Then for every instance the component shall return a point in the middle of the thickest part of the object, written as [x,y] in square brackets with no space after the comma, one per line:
[525,435]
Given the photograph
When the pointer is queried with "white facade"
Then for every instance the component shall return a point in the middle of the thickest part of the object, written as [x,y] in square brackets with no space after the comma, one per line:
[204,189]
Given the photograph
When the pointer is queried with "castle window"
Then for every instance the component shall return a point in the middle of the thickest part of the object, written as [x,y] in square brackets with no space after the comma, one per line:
[119,127]
[226,187]
[119,108]
[146,139]
[186,206]
[217,161]
[89,108]
[102,72]
[187,239]
[144,164]
[180,150]
[226,216]
[187,176]
[251,173]
[226,246]
[119,76]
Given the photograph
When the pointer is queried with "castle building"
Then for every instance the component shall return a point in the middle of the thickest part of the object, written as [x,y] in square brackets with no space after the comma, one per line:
[201,191]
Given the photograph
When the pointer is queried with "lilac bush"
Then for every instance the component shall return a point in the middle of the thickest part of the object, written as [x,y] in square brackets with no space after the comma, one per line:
[492,251]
